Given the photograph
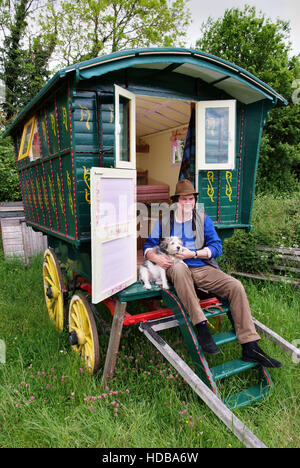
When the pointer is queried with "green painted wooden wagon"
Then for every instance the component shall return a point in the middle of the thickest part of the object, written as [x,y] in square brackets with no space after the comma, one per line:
[100,148]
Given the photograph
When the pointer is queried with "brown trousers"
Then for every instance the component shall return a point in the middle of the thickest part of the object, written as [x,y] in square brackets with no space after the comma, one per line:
[216,282]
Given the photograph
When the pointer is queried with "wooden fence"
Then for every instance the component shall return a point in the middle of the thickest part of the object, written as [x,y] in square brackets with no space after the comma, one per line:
[284,265]
[18,239]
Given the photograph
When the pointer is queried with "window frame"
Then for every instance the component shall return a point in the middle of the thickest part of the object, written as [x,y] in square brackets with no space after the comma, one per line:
[131,164]
[201,107]
[22,155]
[103,233]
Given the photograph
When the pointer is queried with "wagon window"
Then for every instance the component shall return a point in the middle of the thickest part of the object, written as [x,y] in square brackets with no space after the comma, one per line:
[31,142]
[216,134]
[26,139]
[124,128]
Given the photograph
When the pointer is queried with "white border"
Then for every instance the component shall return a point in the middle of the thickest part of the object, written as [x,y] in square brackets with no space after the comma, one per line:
[131,164]
[98,237]
[201,106]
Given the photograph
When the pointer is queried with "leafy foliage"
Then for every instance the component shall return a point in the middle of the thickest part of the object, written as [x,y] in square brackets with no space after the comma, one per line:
[260,46]
[24,55]
[9,181]
[89,28]
[276,223]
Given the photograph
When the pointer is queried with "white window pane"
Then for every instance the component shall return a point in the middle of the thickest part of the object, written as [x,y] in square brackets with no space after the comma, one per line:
[216,135]
[117,201]
[112,275]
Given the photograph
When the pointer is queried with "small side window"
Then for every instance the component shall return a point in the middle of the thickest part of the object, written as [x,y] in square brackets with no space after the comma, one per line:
[30,142]
[125,138]
[215,124]
[26,139]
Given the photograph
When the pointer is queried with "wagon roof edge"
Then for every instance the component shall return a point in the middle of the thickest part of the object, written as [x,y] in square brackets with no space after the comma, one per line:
[110,60]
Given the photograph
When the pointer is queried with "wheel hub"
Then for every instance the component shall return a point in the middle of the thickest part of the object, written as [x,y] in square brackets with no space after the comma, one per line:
[78,337]
[73,338]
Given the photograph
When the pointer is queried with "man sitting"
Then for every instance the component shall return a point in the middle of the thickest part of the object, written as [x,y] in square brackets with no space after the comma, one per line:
[199,267]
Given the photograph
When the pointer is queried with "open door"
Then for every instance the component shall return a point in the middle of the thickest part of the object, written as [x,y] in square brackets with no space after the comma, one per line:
[125,129]
[113,231]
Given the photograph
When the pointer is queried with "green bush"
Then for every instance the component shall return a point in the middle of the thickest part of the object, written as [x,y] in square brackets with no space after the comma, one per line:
[9,181]
[276,223]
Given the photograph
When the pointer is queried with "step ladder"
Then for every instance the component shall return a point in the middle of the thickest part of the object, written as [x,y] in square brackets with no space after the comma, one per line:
[211,376]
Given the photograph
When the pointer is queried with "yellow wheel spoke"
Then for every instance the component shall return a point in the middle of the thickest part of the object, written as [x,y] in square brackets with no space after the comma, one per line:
[81,321]
[53,280]
[51,302]
[75,319]
[52,272]
[49,281]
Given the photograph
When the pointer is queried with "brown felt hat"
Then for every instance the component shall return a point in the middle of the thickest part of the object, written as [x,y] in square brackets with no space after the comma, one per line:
[184,187]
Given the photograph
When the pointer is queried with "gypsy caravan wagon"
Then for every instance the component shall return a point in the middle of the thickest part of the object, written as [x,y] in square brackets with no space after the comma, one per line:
[103,143]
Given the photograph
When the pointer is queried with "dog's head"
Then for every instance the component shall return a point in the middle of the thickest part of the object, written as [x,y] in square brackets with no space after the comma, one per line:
[172,245]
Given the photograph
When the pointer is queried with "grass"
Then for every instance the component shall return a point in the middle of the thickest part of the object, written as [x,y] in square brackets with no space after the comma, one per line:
[48,400]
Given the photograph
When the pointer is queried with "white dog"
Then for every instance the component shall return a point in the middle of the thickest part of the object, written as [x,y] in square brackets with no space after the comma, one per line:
[150,271]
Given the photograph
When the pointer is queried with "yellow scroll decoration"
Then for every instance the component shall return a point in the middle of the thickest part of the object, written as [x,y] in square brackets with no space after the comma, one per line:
[228,186]
[69,182]
[60,193]
[51,192]
[44,130]
[53,123]
[210,189]
[86,177]
[44,189]
[85,113]
[111,114]
[38,194]
[33,193]
[65,117]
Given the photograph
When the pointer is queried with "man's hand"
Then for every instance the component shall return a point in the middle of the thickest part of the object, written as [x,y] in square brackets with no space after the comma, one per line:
[161,260]
[185,253]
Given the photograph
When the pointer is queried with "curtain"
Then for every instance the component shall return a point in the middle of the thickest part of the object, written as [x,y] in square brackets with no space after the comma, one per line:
[187,168]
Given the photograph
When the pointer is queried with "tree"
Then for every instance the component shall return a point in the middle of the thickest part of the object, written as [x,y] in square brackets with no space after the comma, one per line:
[23,62]
[24,54]
[88,28]
[9,181]
[261,46]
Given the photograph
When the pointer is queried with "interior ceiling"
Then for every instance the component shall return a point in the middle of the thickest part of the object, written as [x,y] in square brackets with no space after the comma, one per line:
[155,115]
[159,114]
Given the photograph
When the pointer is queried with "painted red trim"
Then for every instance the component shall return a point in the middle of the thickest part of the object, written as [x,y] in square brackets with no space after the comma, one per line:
[46,188]
[39,188]
[72,159]
[54,196]
[35,196]
[206,369]
[238,190]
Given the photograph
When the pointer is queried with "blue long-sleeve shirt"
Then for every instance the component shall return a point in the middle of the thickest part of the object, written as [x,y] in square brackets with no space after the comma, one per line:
[185,232]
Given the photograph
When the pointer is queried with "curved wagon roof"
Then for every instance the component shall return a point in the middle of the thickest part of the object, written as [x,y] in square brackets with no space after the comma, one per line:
[213,71]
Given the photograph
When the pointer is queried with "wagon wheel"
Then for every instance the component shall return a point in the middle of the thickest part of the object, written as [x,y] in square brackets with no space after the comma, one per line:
[83,332]
[54,289]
